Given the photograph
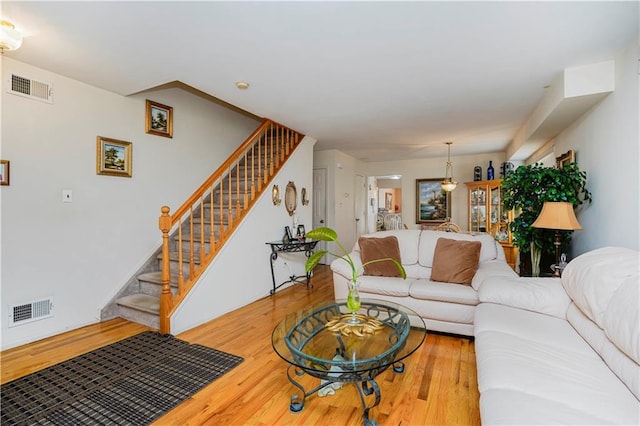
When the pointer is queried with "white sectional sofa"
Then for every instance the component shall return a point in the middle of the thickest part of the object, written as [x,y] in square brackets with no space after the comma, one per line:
[445,307]
[562,351]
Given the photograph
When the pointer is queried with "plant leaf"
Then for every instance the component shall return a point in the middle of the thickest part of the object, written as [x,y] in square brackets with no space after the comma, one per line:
[397,264]
[322,234]
[313,260]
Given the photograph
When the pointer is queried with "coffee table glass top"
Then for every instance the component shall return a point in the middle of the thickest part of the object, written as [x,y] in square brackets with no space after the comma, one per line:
[384,338]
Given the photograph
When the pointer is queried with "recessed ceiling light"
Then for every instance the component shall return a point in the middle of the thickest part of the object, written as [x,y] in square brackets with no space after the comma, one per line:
[242,85]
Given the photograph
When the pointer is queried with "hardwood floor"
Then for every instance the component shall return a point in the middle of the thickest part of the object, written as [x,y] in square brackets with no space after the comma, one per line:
[438,386]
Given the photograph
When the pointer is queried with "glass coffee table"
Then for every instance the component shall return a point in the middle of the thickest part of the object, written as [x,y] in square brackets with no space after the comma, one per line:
[321,342]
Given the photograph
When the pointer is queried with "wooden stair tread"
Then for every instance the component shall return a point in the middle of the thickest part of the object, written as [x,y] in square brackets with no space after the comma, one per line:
[156,278]
[141,302]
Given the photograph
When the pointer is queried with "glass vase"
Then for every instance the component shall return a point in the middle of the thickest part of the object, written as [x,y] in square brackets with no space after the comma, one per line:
[353,302]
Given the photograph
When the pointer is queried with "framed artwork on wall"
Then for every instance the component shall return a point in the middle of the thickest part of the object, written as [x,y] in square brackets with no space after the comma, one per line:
[113,157]
[566,158]
[433,205]
[4,172]
[159,119]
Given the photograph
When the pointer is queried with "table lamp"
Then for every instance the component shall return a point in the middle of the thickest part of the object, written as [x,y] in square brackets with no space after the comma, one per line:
[558,216]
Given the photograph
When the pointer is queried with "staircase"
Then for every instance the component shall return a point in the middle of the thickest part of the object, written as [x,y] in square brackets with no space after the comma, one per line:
[197,230]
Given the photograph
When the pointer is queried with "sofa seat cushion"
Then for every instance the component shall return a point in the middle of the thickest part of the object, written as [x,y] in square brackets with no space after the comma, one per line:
[443,292]
[530,410]
[522,353]
[384,285]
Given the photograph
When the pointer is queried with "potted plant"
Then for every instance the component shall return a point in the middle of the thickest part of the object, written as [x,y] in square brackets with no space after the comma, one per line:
[526,189]
[329,235]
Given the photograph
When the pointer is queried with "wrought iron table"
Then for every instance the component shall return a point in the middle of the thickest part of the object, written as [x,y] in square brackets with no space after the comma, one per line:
[305,245]
[303,340]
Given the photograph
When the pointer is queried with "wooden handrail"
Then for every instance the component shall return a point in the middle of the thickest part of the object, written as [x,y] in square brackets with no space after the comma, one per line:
[251,166]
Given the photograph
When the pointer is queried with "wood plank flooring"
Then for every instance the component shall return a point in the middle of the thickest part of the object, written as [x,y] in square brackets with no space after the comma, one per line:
[438,386]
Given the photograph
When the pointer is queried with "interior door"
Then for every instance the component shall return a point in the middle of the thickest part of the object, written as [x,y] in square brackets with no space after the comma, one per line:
[319,205]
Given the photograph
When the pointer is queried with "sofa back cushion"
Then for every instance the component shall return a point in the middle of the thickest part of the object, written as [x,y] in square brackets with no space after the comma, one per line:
[372,249]
[604,285]
[429,239]
[455,261]
[407,242]
[592,279]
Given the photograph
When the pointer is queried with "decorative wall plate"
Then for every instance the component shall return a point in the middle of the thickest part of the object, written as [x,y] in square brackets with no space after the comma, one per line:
[291,198]
[275,195]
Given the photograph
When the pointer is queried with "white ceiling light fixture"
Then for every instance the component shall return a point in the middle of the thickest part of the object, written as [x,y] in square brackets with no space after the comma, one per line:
[448,184]
[10,38]
[242,85]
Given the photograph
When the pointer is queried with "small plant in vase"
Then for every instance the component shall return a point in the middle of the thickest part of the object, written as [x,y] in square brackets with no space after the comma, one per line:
[329,235]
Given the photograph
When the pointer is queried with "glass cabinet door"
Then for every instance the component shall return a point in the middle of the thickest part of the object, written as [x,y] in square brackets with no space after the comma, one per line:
[495,206]
[478,210]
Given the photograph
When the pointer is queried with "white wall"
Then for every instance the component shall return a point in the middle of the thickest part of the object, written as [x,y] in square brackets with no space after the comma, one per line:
[606,142]
[234,280]
[341,173]
[432,168]
[81,253]
[340,180]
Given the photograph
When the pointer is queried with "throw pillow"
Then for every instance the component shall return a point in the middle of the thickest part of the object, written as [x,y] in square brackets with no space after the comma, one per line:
[455,261]
[380,248]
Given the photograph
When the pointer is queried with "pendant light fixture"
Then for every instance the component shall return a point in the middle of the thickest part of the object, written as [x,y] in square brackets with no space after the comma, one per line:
[10,38]
[448,184]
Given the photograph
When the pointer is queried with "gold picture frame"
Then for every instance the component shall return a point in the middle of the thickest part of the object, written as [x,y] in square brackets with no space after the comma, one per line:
[4,172]
[114,157]
[159,119]
[566,158]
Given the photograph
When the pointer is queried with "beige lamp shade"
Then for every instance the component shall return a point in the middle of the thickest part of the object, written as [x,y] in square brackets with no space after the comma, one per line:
[557,215]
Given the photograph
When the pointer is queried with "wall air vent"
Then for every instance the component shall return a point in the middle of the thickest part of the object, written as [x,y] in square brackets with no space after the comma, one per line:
[32,89]
[31,311]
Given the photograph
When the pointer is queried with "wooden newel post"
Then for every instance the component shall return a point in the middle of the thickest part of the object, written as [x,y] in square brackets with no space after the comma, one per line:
[166,299]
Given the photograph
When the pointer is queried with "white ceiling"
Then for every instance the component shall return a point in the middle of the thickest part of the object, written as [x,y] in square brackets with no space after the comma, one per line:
[377,80]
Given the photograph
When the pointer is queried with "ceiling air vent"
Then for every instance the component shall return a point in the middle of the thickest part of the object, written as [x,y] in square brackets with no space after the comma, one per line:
[32,89]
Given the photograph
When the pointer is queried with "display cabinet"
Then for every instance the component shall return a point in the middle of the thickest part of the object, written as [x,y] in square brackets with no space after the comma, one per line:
[486,214]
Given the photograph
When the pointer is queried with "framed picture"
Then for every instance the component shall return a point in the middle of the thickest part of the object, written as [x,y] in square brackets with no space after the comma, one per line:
[388,199]
[433,205]
[301,231]
[4,172]
[566,158]
[287,230]
[159,119]
[113,157]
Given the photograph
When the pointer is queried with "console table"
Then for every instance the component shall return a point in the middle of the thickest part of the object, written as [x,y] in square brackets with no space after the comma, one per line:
[295,246]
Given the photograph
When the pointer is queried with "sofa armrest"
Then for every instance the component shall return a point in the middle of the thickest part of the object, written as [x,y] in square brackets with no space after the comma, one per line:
[543,295]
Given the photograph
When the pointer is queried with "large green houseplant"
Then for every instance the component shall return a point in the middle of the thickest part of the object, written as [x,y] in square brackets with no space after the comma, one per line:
[329,235]
[526,189]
